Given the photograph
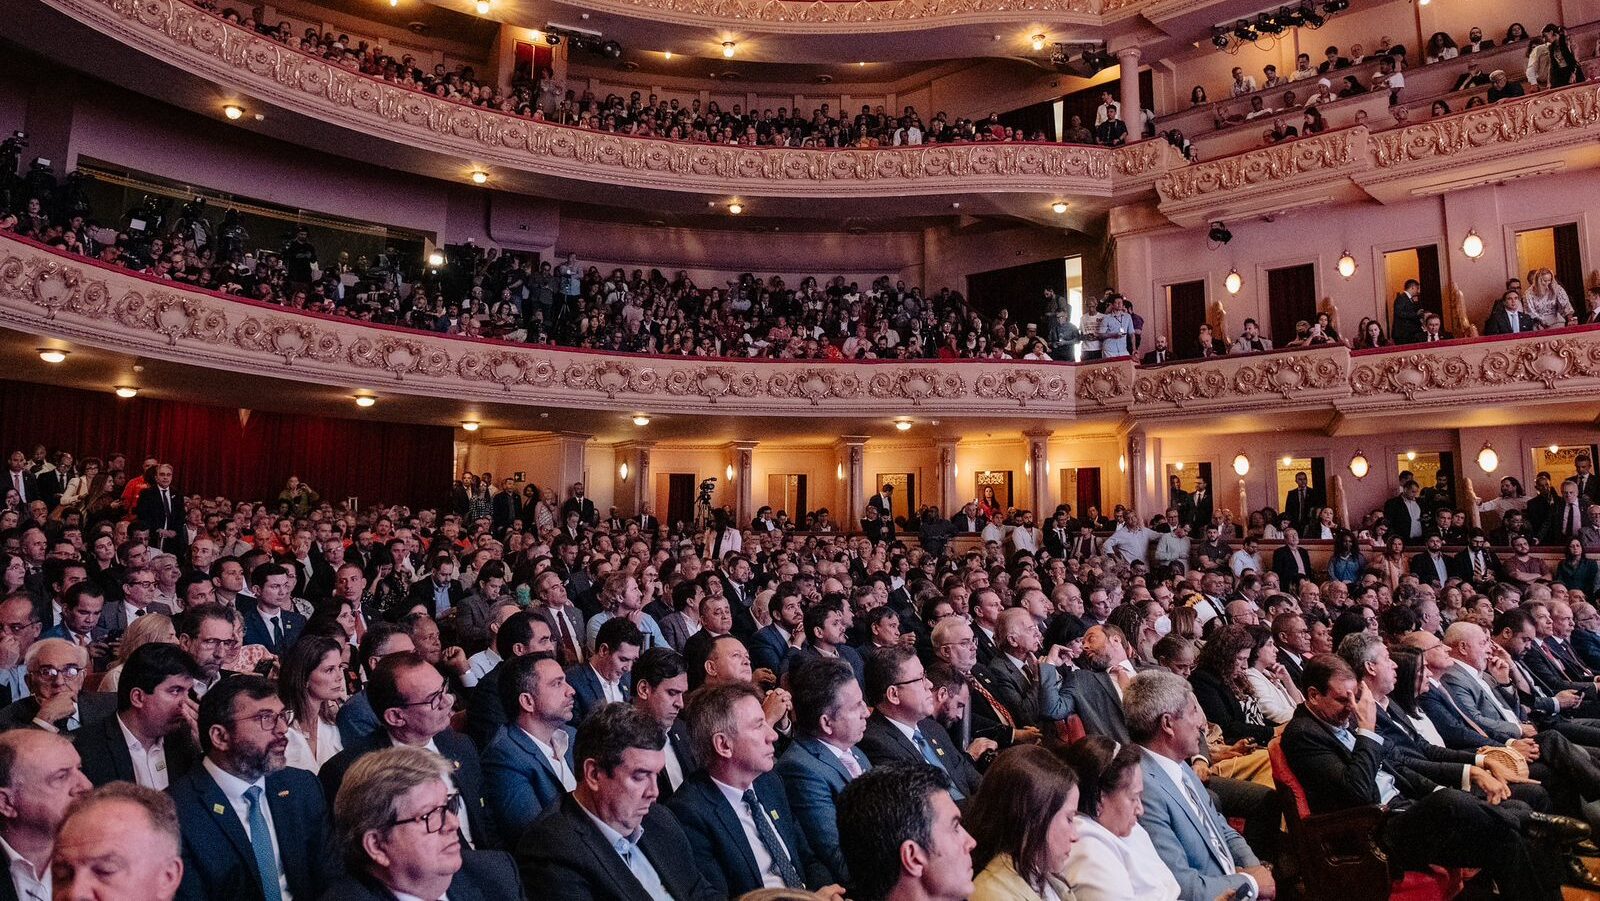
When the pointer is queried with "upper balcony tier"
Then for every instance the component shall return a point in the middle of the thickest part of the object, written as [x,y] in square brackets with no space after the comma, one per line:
[51,299]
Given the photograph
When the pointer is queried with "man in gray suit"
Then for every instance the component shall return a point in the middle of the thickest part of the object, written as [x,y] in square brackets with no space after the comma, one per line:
[830,716]
[138,599]
[1204,853]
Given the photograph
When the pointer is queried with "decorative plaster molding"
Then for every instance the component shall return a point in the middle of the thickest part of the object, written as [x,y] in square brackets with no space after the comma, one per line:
[838,16]
[1320,155]
[198,42]
[1543,116]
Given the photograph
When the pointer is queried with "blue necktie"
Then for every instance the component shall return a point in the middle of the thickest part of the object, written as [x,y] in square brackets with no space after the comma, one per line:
[261,844]
[931,757]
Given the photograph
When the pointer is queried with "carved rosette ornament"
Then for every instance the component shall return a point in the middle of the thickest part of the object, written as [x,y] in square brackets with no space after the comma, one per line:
[1286,375]
[288,339]
[1179,385]
[1545,362]
[1023,385]
[1410,375]
[1102,384]
[399,356]
[1324,154]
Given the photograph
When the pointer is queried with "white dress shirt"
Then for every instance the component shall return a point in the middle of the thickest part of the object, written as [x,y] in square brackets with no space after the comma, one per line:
[461,802]
[29,885]
[149,764]
[735,797]
[299,753]
[233,788]
[627,847]
[555,754]
[1104,866]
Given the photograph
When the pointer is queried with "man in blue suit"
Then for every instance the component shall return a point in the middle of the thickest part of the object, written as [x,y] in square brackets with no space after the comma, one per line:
[737,796]
[830,716]
[603,679]
[402,839]
[252,828]
[1204,853]
[773,644]
[528,766]
[271,620]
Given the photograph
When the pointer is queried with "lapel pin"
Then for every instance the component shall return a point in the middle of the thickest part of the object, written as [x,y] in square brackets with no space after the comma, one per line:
[939,751]
[284,793]
[218,809]
[774,816]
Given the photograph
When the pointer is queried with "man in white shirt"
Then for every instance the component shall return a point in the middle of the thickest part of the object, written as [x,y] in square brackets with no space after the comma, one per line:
[1242,83]
[1303,68]
[35,789]
[1131,541]
[528,766]
[148,740]
[479,664]
[1026,536]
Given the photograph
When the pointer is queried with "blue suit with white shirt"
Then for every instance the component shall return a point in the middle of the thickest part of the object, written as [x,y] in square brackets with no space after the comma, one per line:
[518,781]
[218,861]
[813,776]
[721,849]
[1203,869]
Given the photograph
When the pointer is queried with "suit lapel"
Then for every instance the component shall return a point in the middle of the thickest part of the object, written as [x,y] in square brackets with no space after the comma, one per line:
[1180,799]
[827,757]
[729,821]
[213,800]
[522,741]
[898,737]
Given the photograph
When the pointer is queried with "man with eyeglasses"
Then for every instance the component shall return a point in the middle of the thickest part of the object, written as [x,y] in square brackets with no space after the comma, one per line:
[902,728]
[151,739]
[138,599]
[206,633]
[253,829]
[395,819]
[55,680]
[19,628]
[413,703]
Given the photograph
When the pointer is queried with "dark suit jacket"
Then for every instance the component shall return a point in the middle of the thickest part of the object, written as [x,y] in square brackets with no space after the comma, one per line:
[93,706]
[1296,671]
[813,777]
[590,696]
[217,858]
[587,513]
[468,777]
[1336,779]
[1302,513]
[885,743]
[114,619]
[1223,708]
[1399,518]
[770,648]
[679,745]
[484,876]
[518,781]
[30,487]
[720,847]
[422,593]
[1202,510]
[106,758]
[1011,688]
[1402,741]
[149,511]
[1574,668]
[1500,322]
[568,857]
[256,631]
[1422,567]
[1406,327]
[1283,564]
[1461,565]
[1150,358]
[485,713]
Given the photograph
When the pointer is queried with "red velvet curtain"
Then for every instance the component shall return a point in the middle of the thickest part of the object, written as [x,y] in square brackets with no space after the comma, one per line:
[217,450]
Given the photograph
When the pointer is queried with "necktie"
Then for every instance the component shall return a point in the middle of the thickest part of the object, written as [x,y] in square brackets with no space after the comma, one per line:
[166,502]
[1477,567]
[999,708]
[1471,723]
[139,612]
[1213,837]
[782,866]
[261,844]
[17,483]
[932,757]
[851,765]
[277,633]
[1572,519]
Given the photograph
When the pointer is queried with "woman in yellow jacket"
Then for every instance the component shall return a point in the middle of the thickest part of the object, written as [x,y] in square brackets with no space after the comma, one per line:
[1023,821]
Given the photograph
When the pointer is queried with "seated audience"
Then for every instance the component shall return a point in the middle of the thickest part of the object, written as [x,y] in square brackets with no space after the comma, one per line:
[1113,859]
[118,841]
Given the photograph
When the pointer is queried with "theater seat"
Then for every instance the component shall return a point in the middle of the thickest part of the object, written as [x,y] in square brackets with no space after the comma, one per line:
[1336,855]
[1070,729]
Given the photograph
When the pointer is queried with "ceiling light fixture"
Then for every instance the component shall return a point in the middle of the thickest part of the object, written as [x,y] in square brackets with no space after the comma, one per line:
[735,208]
[51,355]
[641,420]
[479,176]
[365,400]
[727,49]
[127,391]
[470,425]
[1554,448]
[1059,207]
[435,260]
[903,425]
[483,7]
[232,110]
[1411,456]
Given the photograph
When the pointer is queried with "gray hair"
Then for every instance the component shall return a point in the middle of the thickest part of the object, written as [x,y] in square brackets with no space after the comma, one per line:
[367,797]
[1152,695]
[158,808]
[1359,649]
[1013,621]
[39,647]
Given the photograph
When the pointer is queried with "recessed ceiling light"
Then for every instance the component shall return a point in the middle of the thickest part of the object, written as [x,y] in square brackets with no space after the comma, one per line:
[232,110]
[479,176]
[471,425]
[126,391]
[365,400]
[1059,207]
[903,425]
[51,355]
[641,420]
[666,54]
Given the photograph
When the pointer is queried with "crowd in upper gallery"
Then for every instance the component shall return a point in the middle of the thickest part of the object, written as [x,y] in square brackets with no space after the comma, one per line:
[210,699]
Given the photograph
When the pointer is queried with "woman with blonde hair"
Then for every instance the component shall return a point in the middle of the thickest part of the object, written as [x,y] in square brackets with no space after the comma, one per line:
[1547,301]
[152,627]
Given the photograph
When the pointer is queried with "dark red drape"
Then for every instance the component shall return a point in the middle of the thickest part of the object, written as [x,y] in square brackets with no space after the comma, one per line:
[218,451]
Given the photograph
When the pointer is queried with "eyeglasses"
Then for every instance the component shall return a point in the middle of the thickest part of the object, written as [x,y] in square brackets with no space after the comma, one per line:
[144,583]
[268,721]
[65,673]
[436,700]
[433,821]
[211,644]
[963,643]
[921,678]
[18,628]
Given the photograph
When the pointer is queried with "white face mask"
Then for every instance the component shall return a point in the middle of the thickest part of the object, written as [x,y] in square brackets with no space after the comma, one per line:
[1164,625]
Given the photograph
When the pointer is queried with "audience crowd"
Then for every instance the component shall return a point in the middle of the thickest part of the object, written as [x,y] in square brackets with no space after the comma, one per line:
[514,695]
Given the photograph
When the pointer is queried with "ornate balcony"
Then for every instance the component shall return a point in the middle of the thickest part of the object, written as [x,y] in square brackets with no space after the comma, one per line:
[79,300]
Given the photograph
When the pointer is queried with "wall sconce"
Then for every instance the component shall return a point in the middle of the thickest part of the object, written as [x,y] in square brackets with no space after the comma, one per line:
[1347,265]
[1233,282]
[641,420]
[1411,456]
[1554,448]
[622,472]
[1286,460]
[839,471]
[729,472]
[727,49]
[1359,465]
[1241,464]
[955,470]
[1178,466]
[470,425]
[1472,245]
[1488,460]
[1038,43]
[1122,462]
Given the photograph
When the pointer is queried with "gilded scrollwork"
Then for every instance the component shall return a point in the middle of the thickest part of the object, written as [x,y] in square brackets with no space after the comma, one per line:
[1411,374]
[916,385]
[1105,384]
[1541,115]
[880,14]
[1284,375]
[1178,385]
[1322,154]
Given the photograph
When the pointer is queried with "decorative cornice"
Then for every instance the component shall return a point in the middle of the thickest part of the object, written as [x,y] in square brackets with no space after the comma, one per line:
[839,16]
[1320,155]
[205,45]
[1546,116]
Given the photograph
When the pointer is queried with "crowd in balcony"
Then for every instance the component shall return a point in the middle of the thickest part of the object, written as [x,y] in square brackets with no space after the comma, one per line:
[1291,101]
[495,693]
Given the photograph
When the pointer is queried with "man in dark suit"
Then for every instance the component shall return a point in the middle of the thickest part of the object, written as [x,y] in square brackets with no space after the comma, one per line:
[1293,637]
[604,678]
[441,590]
[608,840]
[524,632]
[528,766]
[1291,561]
[1302,502]
[270,620]
[736,795]
[1509,317]
[984,716]
[660,680]
[1201,502]
[20,480]
[1086,692]
[412,702]
[1404,513]
[1013,670]
[830,718]
[40,779]
[773,645]
[160,508]
[883,501]
[1476,563]
[507,506]
[138,598]
[1432,566]
[401,836]
[57,702]
[152,697]
[242,792]
[901,727]
[1584,476]
[1406,325]
[1335,751]
[587,513]
[1161,354]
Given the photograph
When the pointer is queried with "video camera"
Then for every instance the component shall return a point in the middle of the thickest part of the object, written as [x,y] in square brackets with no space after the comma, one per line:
[706,488]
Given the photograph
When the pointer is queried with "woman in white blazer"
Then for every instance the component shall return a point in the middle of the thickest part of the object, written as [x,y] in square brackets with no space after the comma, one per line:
[1114,859]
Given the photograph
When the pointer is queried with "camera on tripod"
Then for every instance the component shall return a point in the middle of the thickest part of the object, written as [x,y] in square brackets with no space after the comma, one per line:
[706,488]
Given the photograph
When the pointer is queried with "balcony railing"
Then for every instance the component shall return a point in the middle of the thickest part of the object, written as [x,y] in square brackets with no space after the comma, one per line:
[76,299]
[205,45]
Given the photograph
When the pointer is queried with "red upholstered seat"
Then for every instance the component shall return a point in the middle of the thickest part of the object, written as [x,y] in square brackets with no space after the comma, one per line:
[1337,855]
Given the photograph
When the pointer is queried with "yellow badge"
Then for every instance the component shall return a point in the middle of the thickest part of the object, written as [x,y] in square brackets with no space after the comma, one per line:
[284,793]
[218,809]
[939,751]
[774,816]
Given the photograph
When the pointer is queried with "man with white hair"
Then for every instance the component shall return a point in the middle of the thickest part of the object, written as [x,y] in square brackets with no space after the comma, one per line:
[119,841]
[56,668]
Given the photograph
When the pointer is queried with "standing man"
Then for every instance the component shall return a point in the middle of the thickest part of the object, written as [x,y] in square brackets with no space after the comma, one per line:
[1406,326]
[160,507]
[588,514]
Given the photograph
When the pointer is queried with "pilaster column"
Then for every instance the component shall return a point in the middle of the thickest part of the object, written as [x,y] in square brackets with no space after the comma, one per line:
[741,455]
[1039,472]
[1128,80]
[633,493]
[853,449]
[572,456]
[949,486]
